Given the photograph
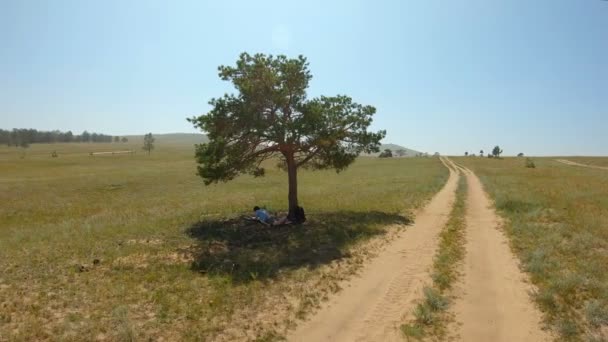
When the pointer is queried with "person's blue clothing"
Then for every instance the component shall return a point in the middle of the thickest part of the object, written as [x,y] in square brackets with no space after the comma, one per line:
[262,215]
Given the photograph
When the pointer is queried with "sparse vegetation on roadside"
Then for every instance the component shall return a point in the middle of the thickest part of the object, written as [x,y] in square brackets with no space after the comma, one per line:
[530,163]
[430,317]
[557,219]
[83,257]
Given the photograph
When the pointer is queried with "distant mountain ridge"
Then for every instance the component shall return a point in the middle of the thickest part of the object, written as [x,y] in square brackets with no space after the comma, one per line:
[393,147]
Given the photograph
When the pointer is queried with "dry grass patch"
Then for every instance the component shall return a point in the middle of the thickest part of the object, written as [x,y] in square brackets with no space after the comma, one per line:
[165,266]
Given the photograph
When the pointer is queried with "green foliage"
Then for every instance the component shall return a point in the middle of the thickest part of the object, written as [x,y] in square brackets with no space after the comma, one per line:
[520,154]
[386,154]
[148,143]
[435,301]
[271,117]
[496,152]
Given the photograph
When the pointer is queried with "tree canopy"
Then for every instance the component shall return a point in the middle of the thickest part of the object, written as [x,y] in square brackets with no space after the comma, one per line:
[271,117]
[19,136]
[387,153]
[148,143]
[496,151]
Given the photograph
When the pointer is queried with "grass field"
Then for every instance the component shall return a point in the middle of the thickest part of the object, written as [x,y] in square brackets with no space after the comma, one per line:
[597,161]
[557,221]
[128,247]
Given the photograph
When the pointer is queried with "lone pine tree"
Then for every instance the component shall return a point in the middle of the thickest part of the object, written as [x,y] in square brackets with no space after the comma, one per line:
[271,117]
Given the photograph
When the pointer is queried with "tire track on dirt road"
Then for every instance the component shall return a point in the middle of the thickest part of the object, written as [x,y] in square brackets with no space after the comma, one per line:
[372,306]
[493,295]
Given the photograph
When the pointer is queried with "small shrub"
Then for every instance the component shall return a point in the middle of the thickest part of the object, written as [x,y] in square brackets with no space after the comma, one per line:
[530,163]
[412,330]
[434,299]
[546,300]
[424,314]
[567,329]
[596,314]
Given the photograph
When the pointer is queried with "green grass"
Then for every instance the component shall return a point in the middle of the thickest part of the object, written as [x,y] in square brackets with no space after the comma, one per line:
[430,317]
[174,262]
[557,222]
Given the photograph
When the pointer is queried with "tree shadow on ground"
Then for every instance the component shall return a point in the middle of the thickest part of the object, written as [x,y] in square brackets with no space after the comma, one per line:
[247,250]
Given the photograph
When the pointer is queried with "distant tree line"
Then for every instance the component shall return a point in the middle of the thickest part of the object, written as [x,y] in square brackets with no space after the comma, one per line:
[23,137]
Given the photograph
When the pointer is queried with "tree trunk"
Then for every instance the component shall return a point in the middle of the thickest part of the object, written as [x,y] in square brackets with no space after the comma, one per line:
[292,173]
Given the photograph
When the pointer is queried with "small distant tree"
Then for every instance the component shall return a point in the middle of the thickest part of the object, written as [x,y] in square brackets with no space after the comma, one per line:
[116,139]
[481,153]
[401,153]
[466,154]
[496,152]
[24,144]
[386,154]
[520,154]
[436,154]
[124,139]
[85,136]
[148,143]
[271,117]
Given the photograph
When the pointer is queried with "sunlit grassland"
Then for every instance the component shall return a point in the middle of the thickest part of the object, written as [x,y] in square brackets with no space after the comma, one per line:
[163,248]
[597,161]
[558,225]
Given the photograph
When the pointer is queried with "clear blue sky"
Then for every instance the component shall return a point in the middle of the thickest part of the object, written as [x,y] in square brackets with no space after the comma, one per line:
[447,76]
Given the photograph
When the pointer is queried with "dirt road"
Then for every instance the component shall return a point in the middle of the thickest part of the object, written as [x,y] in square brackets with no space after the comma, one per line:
[571,163]
[372,306]
[493,302]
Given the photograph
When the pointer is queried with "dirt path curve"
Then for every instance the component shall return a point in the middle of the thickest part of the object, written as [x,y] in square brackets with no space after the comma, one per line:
[371,307]
[571,163]
[493,302]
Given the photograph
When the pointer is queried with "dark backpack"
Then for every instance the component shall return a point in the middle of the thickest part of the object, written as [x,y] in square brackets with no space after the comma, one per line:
[299,216]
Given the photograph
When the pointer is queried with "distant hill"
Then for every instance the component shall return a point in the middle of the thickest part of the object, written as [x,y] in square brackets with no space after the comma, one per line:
[393,147]
[197,138]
